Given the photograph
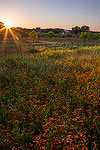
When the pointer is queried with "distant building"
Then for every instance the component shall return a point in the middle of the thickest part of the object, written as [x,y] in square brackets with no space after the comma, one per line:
[38,30]
[66,32]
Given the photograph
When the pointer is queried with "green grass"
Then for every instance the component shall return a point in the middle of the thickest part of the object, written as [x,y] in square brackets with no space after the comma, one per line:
[51,100]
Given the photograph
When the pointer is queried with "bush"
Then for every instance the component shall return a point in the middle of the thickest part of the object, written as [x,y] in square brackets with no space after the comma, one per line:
[33,35]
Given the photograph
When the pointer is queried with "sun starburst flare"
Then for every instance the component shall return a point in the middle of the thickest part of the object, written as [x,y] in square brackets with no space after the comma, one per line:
[14,36]
[7,28]
[8,25]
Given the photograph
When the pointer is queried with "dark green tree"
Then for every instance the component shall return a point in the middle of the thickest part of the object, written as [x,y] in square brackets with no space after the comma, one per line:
[85,28]
[76,30]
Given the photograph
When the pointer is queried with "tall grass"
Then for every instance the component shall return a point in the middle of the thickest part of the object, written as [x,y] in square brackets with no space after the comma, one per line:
[50,101]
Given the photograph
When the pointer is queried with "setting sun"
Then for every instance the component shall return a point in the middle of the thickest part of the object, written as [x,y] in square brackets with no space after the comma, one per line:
[8,25]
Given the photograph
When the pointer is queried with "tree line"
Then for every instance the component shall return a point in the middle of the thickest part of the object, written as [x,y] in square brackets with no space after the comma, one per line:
[82,33]
[78,29]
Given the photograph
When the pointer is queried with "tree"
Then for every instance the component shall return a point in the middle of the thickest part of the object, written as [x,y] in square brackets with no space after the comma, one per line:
[85,29]
[99,35]
[33,35]
[50,34]
[76,30]
[96,36]
[42,35]
[1,25]
[84,36]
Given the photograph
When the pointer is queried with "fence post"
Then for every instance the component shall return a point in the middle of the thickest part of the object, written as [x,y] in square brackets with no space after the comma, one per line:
[55,47]
[20,48]
[33,51]
[64,44]
[46,46]
[5,51]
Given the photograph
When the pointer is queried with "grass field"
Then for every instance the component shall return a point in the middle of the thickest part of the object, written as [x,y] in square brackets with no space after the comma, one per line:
[51,100]
[24,45]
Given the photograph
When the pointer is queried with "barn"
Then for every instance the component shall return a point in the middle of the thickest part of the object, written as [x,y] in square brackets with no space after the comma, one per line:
[66,32]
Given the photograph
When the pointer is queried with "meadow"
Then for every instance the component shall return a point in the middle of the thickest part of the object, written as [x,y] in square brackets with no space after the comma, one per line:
[50,100]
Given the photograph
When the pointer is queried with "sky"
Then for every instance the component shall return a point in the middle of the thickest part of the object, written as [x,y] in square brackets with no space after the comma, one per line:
[51,13]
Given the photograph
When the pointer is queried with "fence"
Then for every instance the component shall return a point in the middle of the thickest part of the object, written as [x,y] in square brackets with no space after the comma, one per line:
[52,46]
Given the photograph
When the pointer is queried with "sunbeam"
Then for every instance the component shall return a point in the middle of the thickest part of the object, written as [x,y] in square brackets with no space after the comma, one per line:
[5,38]
[14,36]
[8,33]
